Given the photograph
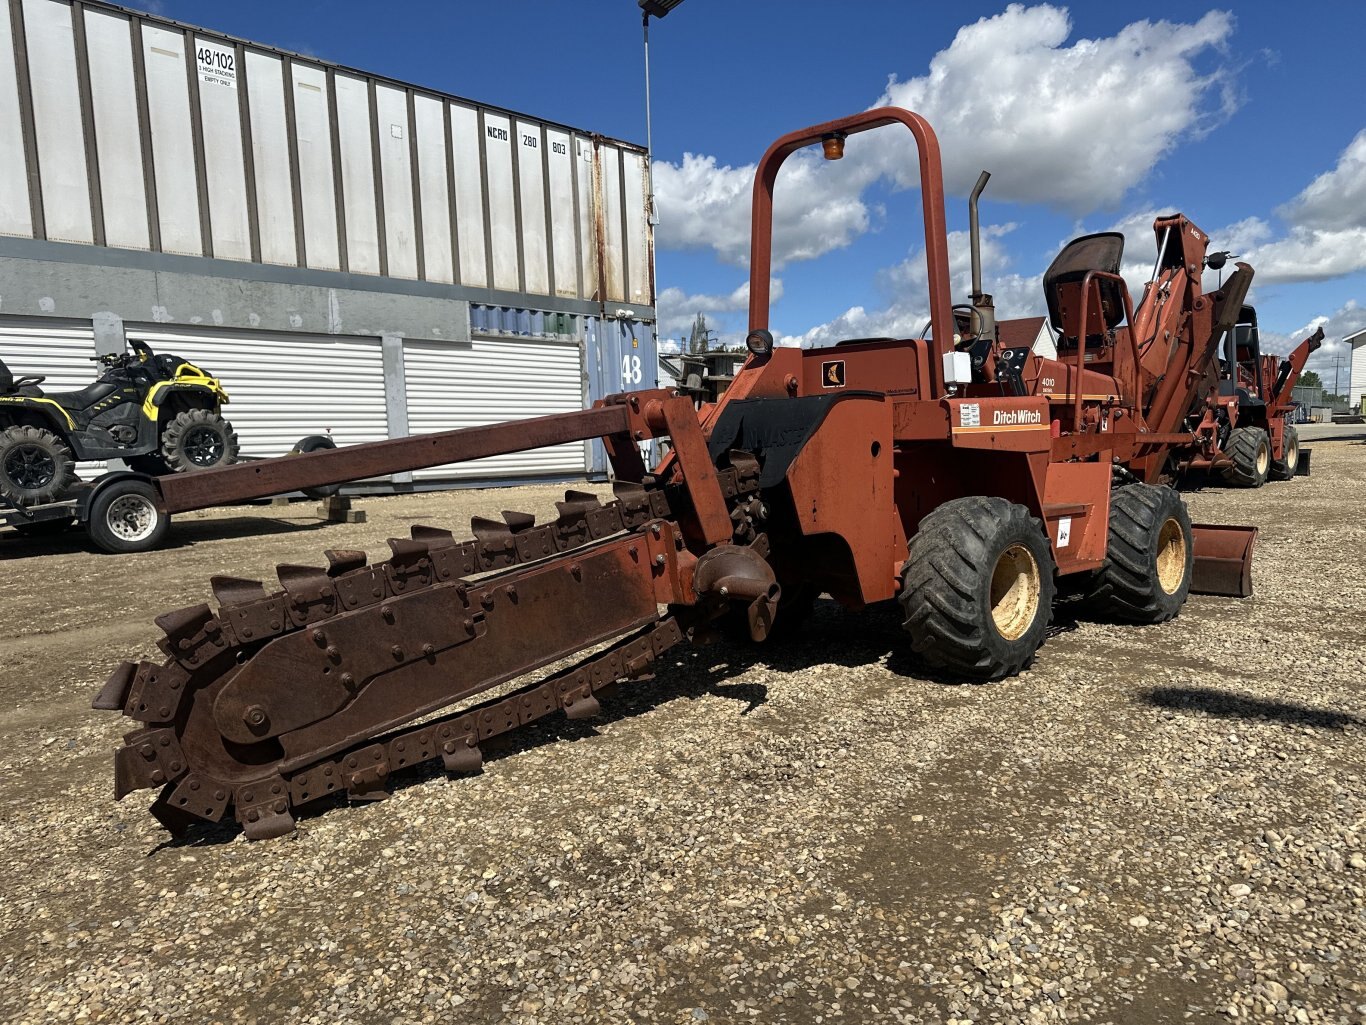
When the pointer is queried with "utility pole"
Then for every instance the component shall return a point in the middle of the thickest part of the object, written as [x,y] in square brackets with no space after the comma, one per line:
[657,8]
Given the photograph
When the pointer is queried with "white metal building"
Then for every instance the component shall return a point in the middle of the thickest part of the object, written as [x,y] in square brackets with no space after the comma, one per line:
[349,253]
[1356,386]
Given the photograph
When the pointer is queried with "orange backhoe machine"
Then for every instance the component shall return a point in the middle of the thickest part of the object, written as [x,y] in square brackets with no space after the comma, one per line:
[961,478]
[1241,426]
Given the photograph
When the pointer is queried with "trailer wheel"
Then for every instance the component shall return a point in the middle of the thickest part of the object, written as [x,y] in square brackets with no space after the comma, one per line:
[977,588]
[1148,558]
[36,466]
[1249,454]
[125,517]
[317,443]
[1285,467]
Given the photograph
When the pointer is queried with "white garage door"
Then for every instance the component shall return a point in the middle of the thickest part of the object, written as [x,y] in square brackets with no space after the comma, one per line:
[450,385]
[283,387]
[62,353]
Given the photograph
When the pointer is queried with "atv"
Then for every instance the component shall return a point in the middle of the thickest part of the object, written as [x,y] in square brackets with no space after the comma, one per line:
[157,412]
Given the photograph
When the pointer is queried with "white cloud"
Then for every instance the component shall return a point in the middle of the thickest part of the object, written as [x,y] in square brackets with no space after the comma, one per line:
[706,206]
[1074,127]
[1309,254]
[1327,226]
[1071,126]
[1336,199]
[1334,354]
[677,310]
[905,316]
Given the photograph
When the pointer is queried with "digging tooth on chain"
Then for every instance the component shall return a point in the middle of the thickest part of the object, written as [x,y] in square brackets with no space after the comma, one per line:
[310,594]
[193,797]
[432,535]
[184,629]
[497,547]
[155,692]
[236,590]
[150,758]
[571,526]
[113,696]
[410,566]
[263,808]
[518,521]
[366,773]
[343,560]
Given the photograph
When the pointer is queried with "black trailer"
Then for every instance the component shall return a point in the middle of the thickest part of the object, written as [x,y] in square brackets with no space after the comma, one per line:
[123,511]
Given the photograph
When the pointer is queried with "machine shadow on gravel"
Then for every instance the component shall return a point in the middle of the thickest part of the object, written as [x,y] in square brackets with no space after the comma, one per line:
[1227,705]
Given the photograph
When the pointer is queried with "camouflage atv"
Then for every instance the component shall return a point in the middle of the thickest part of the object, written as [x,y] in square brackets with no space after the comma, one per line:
[159,413]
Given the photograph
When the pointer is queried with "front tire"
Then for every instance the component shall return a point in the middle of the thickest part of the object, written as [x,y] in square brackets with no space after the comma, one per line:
[125,517]
[198,439]
[1285,467]
[977,588]
[1249,454]
[36,466]
[1148,559]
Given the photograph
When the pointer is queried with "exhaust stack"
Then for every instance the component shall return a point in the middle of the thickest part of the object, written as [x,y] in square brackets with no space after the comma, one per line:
[981,302]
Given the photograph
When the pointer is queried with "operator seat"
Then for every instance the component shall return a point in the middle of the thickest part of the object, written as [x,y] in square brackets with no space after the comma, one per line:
[1103,251]
[10,385]
[85,397]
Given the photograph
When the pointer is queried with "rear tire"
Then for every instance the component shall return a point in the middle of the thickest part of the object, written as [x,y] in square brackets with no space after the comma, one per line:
[198,439]
[1285,467]
[36,466]
[125,517]
[1249,454]
[1148,559]
[977,589]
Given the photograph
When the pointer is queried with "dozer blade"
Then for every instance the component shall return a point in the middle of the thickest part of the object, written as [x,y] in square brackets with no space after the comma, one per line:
[1223,560]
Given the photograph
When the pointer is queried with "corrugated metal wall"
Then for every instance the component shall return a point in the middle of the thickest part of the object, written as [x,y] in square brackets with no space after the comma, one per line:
[284,387]
[59,351]
[1357,379]
[134,132]
[490,380]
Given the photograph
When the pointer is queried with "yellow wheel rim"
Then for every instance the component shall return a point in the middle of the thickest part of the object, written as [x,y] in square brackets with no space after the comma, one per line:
[1014,592]
[1263,457]
[1292,455]
[1171,556]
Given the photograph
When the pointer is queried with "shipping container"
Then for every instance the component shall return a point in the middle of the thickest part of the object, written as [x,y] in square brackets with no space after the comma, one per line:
[125,130]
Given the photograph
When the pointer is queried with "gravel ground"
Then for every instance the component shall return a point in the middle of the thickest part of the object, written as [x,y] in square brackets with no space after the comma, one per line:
[1153,824]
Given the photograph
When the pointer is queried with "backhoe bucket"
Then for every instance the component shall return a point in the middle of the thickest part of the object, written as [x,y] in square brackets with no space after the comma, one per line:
[1302,467]
[1223,560]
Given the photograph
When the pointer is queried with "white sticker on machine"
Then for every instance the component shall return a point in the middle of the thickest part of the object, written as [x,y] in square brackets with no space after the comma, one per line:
[217,64]
[1064,531]
[970,415]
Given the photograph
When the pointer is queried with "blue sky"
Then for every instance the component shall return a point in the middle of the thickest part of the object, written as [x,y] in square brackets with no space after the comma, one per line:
[1090,117]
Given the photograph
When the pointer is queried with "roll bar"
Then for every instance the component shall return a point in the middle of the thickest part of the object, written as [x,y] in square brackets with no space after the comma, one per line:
[932,201]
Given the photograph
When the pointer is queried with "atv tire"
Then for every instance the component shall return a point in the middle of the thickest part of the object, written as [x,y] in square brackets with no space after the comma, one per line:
[977,589]
[1249,454]
[1149,556]
[1285,467]
[198,439]
[36,466]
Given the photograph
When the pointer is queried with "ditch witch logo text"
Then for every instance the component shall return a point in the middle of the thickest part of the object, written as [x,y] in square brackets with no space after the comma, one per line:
[1011,417]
